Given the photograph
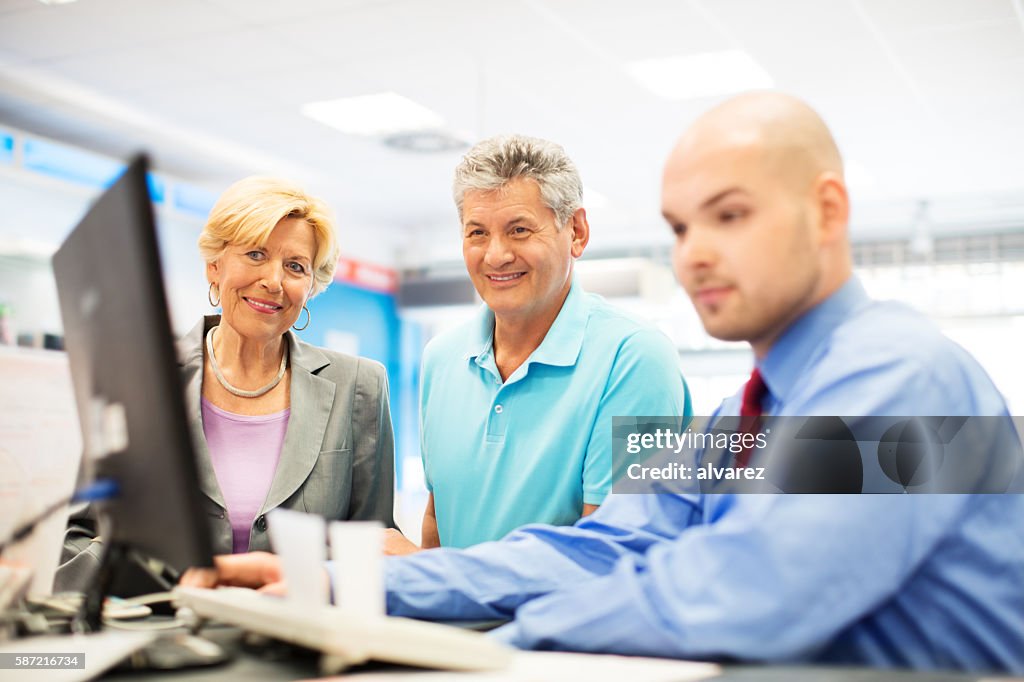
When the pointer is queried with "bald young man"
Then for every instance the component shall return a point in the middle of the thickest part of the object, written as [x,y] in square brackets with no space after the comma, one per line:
[754,192]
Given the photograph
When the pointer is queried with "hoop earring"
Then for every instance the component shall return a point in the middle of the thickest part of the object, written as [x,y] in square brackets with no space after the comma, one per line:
[309,318]
[209,295]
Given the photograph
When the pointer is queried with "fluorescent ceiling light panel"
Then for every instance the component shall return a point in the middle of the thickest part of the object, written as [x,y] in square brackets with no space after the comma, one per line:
[381,114]
[56,2]
[700,75]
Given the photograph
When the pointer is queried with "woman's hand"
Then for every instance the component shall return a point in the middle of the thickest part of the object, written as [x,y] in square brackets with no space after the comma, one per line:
[396,544]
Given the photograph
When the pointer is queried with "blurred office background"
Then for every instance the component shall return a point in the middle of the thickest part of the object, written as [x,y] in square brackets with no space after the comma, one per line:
[370,103]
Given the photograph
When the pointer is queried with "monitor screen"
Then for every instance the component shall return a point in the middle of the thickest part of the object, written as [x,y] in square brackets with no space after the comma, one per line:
[127,387]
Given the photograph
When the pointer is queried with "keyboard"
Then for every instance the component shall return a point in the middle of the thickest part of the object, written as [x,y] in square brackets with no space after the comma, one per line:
[344,638]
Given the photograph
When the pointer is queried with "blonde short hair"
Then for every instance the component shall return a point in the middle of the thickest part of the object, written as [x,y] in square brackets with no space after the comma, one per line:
[250,209]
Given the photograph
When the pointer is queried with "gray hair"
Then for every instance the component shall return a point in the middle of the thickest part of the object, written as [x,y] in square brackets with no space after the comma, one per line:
[494,162]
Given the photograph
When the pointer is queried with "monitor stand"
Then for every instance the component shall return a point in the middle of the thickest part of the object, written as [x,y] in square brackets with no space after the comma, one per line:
[168,651]
[90,618]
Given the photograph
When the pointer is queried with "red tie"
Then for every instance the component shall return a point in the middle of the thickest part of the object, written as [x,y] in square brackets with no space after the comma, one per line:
[750,411]
[753,395]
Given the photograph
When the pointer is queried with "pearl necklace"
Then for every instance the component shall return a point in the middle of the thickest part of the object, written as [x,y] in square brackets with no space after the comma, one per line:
[237,391]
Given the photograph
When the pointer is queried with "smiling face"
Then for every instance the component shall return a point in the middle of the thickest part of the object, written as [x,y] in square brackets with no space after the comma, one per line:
[518,259]
[263,288]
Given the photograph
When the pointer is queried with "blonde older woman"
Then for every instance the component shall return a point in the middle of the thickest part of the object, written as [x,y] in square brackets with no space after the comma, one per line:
[278,422]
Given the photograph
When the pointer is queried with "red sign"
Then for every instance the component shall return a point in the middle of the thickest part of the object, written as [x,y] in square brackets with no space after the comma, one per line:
[366,275]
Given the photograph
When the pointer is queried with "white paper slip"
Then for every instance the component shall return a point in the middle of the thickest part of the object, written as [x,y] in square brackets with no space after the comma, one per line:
[300,541]
[357,549]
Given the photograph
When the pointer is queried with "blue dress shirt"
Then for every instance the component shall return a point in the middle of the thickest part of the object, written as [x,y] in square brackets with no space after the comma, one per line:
[925,581]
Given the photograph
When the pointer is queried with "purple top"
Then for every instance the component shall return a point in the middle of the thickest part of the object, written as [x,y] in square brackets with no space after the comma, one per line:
[244,450]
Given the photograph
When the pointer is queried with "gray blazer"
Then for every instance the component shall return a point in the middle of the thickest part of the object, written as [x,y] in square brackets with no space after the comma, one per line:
[338,457]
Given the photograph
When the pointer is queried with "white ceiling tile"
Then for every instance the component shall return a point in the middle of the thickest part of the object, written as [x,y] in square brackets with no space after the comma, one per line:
[382,29]
[973,46]
[778,35]
[240,53]
[908,15]
[651,28]
[210,106]
[56,31]
[9,6]
[124,70]
[272,11]
[991,84]
[287,90]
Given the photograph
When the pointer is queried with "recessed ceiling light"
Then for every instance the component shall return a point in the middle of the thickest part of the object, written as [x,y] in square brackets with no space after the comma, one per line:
[385,113]
[56,2]
[426,141]
[700,75]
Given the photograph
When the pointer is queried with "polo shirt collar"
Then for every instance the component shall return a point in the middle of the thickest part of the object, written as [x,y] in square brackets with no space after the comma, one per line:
[799,346]
[561,345]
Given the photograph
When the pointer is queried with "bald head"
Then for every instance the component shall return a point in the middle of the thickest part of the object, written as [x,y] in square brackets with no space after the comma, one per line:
[755,193]
[789,136]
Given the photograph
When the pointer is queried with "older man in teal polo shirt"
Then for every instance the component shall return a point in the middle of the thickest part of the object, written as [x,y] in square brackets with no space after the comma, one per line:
[516,406]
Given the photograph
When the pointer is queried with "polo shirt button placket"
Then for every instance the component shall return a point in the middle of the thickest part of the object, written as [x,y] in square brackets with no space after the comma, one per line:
[496,422]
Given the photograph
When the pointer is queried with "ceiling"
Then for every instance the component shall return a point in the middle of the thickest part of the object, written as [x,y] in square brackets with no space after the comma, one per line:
[925,97]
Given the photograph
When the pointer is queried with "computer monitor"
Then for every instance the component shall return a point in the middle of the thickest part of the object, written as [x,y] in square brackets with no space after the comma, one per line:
[127,386]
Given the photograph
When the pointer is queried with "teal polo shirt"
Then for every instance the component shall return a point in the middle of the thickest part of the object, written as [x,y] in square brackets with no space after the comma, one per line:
[535,448]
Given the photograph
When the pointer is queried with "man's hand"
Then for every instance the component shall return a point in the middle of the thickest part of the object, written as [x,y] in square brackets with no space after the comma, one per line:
[259,570]
[396,544]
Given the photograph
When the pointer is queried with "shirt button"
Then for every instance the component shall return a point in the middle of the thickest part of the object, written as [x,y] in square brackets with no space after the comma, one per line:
[261,523]
[497,408]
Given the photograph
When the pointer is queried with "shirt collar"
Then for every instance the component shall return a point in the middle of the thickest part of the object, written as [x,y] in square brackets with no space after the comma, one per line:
[800,344]
[561,345]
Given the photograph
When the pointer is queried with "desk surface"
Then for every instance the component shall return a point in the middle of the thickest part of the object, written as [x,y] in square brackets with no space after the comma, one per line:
[280,662]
